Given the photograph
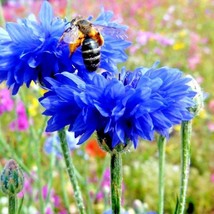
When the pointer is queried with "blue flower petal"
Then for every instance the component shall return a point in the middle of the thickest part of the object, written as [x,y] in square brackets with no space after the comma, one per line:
[136,105]
[46,14]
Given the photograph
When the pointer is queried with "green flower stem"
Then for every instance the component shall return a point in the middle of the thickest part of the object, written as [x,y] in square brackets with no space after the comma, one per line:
[63,186]
[88,197]
[39,173]
[36,143]
[12,204]
[186,130]
[20,206]
[51,169]
[161,152]
[71,171]
[116,180]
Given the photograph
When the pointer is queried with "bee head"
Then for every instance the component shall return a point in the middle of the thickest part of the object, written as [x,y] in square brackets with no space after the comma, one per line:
[84,26]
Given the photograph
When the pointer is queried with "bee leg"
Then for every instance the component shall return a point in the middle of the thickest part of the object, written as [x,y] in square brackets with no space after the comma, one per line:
[100,39]
[72,48]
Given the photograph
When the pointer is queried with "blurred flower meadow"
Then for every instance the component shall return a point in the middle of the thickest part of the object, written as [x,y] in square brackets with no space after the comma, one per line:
[177,34]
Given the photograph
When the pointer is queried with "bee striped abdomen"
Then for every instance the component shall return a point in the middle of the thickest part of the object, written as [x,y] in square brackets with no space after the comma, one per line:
[91,54]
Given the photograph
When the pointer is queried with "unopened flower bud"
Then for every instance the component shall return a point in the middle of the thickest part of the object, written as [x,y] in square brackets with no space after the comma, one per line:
[12,179]
[199,97]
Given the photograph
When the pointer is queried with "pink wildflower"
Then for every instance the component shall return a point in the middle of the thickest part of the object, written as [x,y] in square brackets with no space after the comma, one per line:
[21,123]
[143,38]
[199,79]
[56,200]
[194,52]
[211,106]
[48,210]
[194,60]
[212,178]
[210,126]
[6,102]
[28,182]
[45,192]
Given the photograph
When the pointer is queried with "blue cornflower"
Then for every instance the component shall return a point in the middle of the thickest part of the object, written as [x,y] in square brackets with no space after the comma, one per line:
[135,105]
[31,51]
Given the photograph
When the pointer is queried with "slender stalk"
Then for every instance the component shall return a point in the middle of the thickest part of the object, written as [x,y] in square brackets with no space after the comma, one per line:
[186,130]
[36,136]
[12,204]
[50,175]
[116,180]
[88,197]
[161,152]
[63,186]
[20,206]
[39,173]
[71,171]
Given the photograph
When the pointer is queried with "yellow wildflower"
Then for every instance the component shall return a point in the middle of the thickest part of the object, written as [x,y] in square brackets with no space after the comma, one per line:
[33,107]
[178,46]
[202,114]
[177,128]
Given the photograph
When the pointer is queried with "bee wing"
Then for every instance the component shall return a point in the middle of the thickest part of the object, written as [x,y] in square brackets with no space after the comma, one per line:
[70,35]
[119,33]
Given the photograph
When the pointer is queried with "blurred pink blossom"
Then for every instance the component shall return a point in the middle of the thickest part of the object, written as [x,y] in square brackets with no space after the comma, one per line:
[211,106]
[144,37]
[6,102]
[194,51]
[45,192]
[199,79]
[21,122]
[14,9]
[55,199]
[193,61]
[27,189]
[158,51]
[48,210]
[212,178]
[31,192]
[210,126]
[104,185]
[133,49]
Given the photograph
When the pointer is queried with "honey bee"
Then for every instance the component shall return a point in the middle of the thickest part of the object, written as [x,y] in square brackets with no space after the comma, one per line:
[82,32]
